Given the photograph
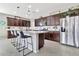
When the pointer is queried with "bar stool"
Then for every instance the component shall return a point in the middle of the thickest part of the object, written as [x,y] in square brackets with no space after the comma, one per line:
[24,39]
[12,36]
[16,42]
[15,38]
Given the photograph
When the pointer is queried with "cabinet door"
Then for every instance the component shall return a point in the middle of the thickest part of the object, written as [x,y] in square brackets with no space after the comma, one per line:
[9,34]
[57,20]
[16,22]
[44,21]
[10,21]
[37,22]
[20,22]
[23,22]
[52,21]
[49,21]
[51,36]
[47,36]
[41,22]
[28,23]
[56,36]
[41,40]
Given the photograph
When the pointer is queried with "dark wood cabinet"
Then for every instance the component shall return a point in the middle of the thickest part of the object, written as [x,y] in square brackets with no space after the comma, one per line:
[53,36]
[41,22]
[56,36]
[37,21]
[20,22]
[47,35]
[17,22]
[57,20]
[41,40]
[28,23]
[9,35]
[23,23]
[53,20]
[49,21]
[10,21]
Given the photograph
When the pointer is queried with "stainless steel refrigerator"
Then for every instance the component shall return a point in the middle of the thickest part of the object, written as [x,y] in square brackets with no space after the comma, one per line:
[69,33]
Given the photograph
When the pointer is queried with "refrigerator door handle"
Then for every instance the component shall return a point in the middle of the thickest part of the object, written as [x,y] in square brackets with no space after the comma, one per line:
[62,29]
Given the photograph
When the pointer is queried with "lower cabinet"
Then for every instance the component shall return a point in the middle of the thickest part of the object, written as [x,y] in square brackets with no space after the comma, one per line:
[56,36]
[53,36]
[41,40]
[9,35]
[47,35]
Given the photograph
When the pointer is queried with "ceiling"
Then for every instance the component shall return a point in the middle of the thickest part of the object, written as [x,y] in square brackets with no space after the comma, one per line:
[44,8]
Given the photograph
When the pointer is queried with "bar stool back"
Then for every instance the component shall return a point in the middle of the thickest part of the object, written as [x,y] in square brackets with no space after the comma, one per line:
[24,39]
[16,39]
[12,36]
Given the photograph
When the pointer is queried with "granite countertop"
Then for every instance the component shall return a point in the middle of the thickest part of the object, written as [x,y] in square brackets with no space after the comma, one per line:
[37,31]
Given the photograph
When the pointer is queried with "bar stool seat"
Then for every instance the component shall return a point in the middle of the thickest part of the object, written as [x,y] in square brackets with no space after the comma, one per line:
[24,39]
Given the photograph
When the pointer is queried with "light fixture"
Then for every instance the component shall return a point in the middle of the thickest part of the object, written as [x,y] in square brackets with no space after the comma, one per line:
[17,13]
[18,7]
[30,11]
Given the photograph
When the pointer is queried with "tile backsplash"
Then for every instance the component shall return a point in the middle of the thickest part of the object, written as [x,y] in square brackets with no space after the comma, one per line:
[48,28]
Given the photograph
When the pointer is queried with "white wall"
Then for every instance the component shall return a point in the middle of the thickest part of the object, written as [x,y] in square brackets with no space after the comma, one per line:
[3,25]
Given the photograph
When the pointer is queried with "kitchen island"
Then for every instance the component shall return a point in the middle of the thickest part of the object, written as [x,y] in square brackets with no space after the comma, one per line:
[38,39]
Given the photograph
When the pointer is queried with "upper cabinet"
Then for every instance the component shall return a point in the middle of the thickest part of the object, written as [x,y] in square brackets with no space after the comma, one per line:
[10,21]
[54,20]
[57,20]
[28,23]
[37,22]
[41,22]
[48,21]
[17,22]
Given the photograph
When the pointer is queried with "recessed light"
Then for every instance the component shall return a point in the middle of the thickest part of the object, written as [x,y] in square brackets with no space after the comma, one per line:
[29,6]
[37,10]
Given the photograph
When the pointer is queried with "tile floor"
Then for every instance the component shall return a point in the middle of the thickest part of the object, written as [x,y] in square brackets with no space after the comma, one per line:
[50,49]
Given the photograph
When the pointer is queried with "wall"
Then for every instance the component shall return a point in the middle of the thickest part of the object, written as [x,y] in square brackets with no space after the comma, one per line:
[3,25]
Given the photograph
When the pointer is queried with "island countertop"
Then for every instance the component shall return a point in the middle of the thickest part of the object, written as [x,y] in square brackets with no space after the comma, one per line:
[37,32]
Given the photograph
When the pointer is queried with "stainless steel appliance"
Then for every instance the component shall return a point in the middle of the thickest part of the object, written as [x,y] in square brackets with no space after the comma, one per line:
[70,31]
[62,31]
